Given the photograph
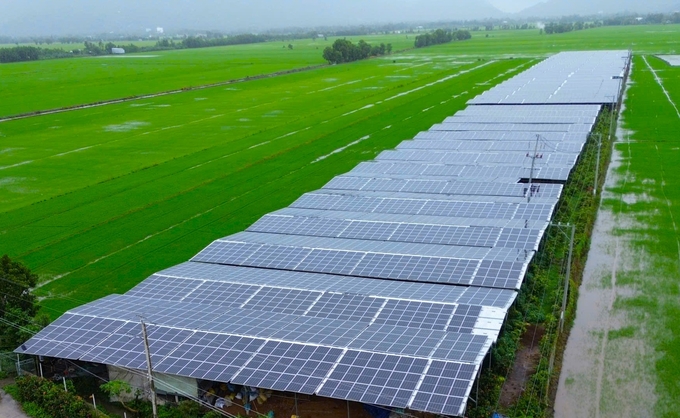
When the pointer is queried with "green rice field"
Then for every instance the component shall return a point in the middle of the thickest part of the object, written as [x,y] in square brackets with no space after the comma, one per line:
[40,85]
[33,86]
[650,191]
[95,200]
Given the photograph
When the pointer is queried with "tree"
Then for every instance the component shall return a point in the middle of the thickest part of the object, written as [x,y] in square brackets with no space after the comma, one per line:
[441,36]
[331,55]
[116,388]
[290,46]
[345,51]
[17,304]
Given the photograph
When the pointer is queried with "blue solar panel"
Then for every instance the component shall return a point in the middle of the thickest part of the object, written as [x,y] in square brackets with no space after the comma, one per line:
[288,367]
[374,378]
[346,307]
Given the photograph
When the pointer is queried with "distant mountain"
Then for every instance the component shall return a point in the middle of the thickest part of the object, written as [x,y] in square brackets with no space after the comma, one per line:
[56,17]
[556,8]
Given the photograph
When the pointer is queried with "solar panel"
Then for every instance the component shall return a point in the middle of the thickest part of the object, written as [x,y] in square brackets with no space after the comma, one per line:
[288,367]
[74,335]
[565,78]
[349,307]
[322,331]
[444,389]
[398,340]
[209,356]
[412,314]
[503,274]
[329,261]
[216,293]
[287,301]
[124,347]
[348,285]
[427,269]
[464,319]
[374,378]
[371,230]
[162,288]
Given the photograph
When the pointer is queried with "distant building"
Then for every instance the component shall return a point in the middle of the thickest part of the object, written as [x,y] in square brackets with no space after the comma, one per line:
[117,51]
[159,30]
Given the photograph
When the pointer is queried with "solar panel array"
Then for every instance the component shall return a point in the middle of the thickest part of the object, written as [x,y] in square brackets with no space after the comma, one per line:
[389,285]
[592,77]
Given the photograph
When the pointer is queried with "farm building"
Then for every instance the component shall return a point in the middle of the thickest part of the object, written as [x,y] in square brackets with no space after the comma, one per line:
[387,287]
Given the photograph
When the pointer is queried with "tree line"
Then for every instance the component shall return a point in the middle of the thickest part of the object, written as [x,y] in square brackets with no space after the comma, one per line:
[551,28]
[441,36]
[33,53]
[204,42]
[574,23]
[30,53]
[345,51]
[19,317]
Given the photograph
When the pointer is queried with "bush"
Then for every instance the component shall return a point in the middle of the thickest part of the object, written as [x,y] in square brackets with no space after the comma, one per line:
[34,411]
[51,399]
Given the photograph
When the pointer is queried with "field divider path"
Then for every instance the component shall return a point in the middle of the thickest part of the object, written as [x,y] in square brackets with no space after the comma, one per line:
[159,94]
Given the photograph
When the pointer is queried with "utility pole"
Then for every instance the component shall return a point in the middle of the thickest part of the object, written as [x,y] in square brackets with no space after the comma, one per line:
[597,163]
[568,278]
[611,119]
[149,370]
[533,163]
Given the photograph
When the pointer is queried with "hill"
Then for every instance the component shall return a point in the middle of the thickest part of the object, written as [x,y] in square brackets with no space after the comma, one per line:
[553,8]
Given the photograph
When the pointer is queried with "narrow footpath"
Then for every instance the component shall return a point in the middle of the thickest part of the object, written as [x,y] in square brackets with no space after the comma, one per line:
[9,408]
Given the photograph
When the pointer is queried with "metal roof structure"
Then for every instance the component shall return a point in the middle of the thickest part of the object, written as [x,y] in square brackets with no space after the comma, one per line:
[390,284]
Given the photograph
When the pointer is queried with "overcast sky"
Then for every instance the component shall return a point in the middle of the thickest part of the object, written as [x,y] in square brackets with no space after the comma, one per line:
[43,17]
[82,17]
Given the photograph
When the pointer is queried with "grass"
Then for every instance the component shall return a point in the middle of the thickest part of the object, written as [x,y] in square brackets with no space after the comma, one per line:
[68,82]
[653,155]
[39,85]
[111,196]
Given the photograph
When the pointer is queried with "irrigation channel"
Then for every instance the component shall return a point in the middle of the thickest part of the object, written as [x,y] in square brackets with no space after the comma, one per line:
[394,284]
